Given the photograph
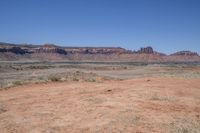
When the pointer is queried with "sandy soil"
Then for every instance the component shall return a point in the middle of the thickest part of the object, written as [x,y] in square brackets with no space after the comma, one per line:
[141,105]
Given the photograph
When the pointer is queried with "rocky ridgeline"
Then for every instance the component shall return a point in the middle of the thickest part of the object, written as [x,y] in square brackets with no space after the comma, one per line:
[185,53]
[96,50]
[50,51]
[49,48]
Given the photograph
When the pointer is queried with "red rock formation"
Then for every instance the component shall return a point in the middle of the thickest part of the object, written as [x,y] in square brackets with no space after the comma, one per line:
[147,50]
[49,48]
[53,52]
[185,53]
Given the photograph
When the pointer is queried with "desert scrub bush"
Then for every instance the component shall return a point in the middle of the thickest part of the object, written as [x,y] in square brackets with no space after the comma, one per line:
[1,86]
[183,125]
[17,83]
[41,78]
[125,67]
[39,67]
[90,80]
[156,97]
[54,78]
[2,109]
[78,72]
[75,79]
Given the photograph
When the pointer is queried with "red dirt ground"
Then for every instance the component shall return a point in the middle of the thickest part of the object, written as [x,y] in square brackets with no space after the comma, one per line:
[140,105]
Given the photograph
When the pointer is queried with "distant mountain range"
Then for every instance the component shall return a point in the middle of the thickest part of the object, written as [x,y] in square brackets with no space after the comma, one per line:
[9,52]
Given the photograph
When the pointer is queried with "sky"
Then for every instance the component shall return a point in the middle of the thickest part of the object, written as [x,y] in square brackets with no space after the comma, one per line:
[166,25]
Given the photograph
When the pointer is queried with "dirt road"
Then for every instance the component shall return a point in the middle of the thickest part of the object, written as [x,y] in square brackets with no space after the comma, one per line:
[141,105]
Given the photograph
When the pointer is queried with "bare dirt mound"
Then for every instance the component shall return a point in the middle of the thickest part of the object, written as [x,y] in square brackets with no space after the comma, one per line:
[136,105]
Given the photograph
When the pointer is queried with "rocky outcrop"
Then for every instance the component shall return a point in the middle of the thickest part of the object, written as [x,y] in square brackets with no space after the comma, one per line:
[16,50]
[147,50]
[184,53]
[3,50]
[49,48]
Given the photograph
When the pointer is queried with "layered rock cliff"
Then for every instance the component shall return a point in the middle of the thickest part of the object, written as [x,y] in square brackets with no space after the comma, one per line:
[53,52]
[49,48]
[184,53]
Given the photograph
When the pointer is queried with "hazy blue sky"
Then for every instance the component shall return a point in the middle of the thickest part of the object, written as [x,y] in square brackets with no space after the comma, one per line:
[166,25]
